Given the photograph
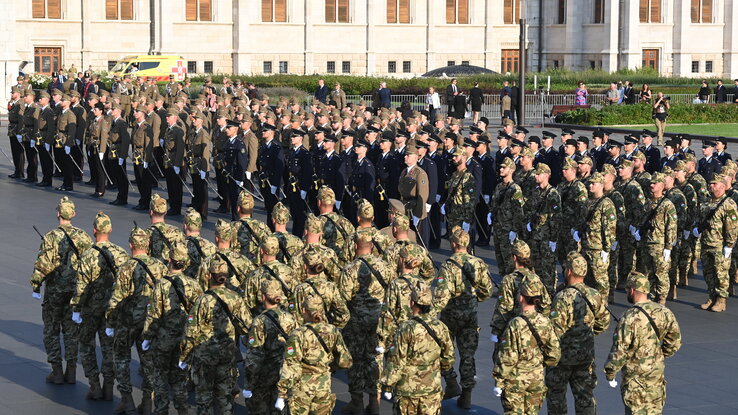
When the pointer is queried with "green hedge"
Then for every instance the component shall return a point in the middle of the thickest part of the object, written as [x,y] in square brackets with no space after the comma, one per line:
[641,114]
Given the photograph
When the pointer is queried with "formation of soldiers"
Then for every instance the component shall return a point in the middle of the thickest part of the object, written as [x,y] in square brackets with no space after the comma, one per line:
[613,215]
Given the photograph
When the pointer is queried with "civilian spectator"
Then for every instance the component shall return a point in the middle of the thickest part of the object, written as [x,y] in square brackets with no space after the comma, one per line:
[460,107]
[338,97]
[629,93]
[621,92]
[660,113]
[451,92]
[704,94]
[613,96]
[646,95]
[514,92]
[475,99]
[321,92]
[385,95]
[505,105]
[56,82]
[432,103]
[721,93]
[735,91]
[581,94]
[505,87]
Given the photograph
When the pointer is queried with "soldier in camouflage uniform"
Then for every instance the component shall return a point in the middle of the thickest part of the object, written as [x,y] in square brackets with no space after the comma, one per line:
[703,196]
[266,347]
[166,321]
[718,228]
[635,202]
[574,198]
[238,266]
[214,322]
[422,349]
[336,228]
[55,265]
[289,244]
[525,175]
[460,187]
[544,222]
[313,351]
[578,314]
[640,174]
[365,216]
[249,232]
[598,234]
[507,305]
[162,235]
[313,232]
[270,269]
[647,334]
[684,223]
[506,217]
[363,283]
[400,228]
[527,345]
[198,248]
[621,230]
[315,283]
[126,315]
[97,272]
[687,244]
[463,281]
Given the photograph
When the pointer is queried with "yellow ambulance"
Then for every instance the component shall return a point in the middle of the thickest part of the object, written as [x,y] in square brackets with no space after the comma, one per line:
[159,67]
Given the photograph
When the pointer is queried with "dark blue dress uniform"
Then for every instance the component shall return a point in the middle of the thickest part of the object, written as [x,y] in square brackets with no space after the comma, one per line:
[653,158]
[362,182]
[684,151]
[435,214]
[300,173]
[708,166]
[669,161]
[330,164]
[388,174]
[271,165]
[617,161]
[598,156]
[235,160]
[489,182]
[551,158]
[431,170]
[723,156]
[348,163]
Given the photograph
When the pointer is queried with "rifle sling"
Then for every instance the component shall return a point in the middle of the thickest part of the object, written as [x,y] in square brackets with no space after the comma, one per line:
[274,274]
[180,294]
[107,259]
[374,272]
[464,273]
[148,271]
[712,213]
[340,229]
[166,241]
[651,321]
[320,339]
[71,243]
[584,297]
[532,329]
[240,277]
[268,314]
[430,331]
[237,323]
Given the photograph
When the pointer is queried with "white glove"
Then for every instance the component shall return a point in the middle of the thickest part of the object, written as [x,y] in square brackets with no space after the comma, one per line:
[176,169]
[303,194]
[145,345]
[438,198]
[486,199]
[667,255]
[727,251]
[465,226]
[637,235]
[428,207]
[528,227]
[379,350]
[246,394]
[19,137]
[67,149]
[613,383]
[279,404]
[552,246]
[146,165]
[109,332]
[273,189]
[497,391]
[604,255]
[101,156]
[614,246]
[202,175]
[443,209]
[161,142]
[78,142]
[33,143]
[512,235]
[632,229]
[121,160]
[248,175]
[47,147]
[387,396]
[576,237]
[182,365]
[36,295]
[489,218]
[696,232]
[493,338]
[686,234]
[338,204]
[239,184]
[76,317]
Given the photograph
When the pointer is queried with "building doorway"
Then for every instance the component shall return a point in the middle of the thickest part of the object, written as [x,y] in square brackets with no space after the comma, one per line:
[650,59]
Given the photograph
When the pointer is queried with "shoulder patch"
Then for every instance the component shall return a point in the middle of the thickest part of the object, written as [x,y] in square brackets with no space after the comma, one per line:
[290,350]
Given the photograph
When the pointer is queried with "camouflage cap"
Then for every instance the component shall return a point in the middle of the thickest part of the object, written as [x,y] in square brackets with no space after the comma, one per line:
[245,200]
[527,152]
[609,169]
[725,171]
[102,223]
[65,208]
[272,289]
[731,164]
[459,237]
[532,287]
[270,245]
[569,163]
[218,265]
[179,252]
[521,249]
[365,209]
[280,214]
[313,304]
[313,224]
[638,281]
[718,178]
[459,151]
[401,222]
[326,195]
[421,294]
[626,163]
[597,178]
[411,251]
[667,171]
[224,230]
[639,156]
[312,256]
[689,157]
[192,219]
[543,169]
[507,162]
[576,263]
[680,166]
[657,177]
[158,204]
[139,238]
[363,236]
[585,160]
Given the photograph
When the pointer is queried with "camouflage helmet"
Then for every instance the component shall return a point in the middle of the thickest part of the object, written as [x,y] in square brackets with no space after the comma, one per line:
[401,222]
[272,289]
[576,263]
[521,249]
[638,281]
[192,219]
[459,237]
[270,245]
[245,200]
[158,204]
[224,230]
[65,208]
[139,238]
[532,287]
[365,210]
[421,294]
[326,195]
[179,252]
[102,223]
[280,214]
[218,265]
[313,224]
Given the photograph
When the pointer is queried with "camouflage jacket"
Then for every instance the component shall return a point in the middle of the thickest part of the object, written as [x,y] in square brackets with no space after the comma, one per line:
[336,229]
[573,201]
[644,179]
[380,243]
[238,269]
[636,349]
[679,201]
[507,305]
[426,269]
[252,286]
[719,227]
[700,187]
[415,359]
[576,323]
[460,200]
[527,182]
[330,261]
[132,290]
[248,238]
[507,208]
[617,199]
[519,356]
[169,306]
[544,213]
[335,306]
[266,346]
[95,278]
[56,261]
[396,307]
[289,245]
[198,248]
[635,202]
[162,237]
[459,289]
[660,229]
[307,364]
[360,286]
[600,223]
[693,208]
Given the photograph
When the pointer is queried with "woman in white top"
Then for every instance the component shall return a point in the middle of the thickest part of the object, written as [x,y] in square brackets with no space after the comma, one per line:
[432,103]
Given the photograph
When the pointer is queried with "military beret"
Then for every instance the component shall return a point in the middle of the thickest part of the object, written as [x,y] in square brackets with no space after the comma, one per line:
[270,245]
[280,214]
[326,195]
[534,139]
[609,169]
[569,163]
[268,127]
[411,149]
[532,287]
[521,249]
[626,164]
[450,136]
[484,120]
[717,178]
[689,157]
[638,282]
[475,130]
[542,168]
[548,134]
[585,160]
[680,165]
[576,263]
[639,155]
[245,200]
[507,162]
[421,294]
[567,131]
[139,238]
[468,142]
[708,143]
[192,219]
[272,289]
[396,206]
[102,223]
[583,139]
[613,143]
[401,222]
[224,230]
[219,266]
[521,130]
[459,237]
[597,178]
[158,204]
[179,252]
[571,142]
[631,139]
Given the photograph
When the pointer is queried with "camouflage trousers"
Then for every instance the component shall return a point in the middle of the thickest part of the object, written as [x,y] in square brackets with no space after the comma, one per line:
[613,271]
[715,270]
[264,392]
[544,262]
[652,264]
[362,343]
[311,402]
[523,396]
[125,337]
[674,263]
[57,317]
[581,378]
[92,327]
[503,250]
[626,259]
[597,276]
[643,397]
[464,330]
[684,258]
[415,405]
[165,374]
[213,381]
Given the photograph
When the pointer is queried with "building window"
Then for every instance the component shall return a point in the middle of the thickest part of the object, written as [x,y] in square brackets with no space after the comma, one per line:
[650,11]
[111,65]
[695,66]
[331,67]
[273,10]
[599,11]
[592,64]
[191,66]
[406,66]
[392,67]
[650,59]
[119,9]
[283,67]
[701,11]
[207,66]
[199,10]
[46,9]
[47,60]
[398,11]
[511,11]
[451,63]
[561,12]
[511,60]
[465,63]
[267,67]
[708,66]
[346,66]
[337,11]
[457,11]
